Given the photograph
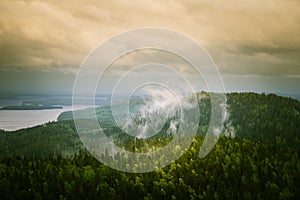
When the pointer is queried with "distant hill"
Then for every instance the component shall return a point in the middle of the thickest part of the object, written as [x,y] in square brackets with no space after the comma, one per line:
[31,107]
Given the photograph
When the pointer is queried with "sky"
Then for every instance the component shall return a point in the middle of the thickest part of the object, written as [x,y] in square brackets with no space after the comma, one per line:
[255,44]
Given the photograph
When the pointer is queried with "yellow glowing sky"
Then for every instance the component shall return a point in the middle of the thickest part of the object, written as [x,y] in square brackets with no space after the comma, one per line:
[245,38]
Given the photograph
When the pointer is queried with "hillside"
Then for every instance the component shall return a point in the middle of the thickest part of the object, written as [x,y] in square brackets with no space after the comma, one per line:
[259,161]
[262,117]
[267,118]
[53,138]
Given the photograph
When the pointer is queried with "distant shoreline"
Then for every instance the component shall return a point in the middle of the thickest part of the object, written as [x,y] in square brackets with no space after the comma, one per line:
[31,107]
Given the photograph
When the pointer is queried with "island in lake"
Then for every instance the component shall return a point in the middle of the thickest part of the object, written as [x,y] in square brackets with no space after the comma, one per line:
[32,106]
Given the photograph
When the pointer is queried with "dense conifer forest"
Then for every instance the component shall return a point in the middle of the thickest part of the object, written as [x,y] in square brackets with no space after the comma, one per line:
[256,158]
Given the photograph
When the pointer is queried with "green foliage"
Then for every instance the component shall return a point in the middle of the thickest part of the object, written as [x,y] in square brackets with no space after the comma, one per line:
[44,140]
[235,169]
[267,118]
[261,162]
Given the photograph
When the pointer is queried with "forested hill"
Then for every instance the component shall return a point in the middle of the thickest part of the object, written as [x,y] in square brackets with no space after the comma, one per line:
[263,117]
[36,163]
[267,118]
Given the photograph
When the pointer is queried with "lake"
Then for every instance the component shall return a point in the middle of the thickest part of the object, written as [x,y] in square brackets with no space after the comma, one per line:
[11,120]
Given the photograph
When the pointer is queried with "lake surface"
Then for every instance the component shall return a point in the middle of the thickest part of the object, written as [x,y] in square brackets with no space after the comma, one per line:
[11,120]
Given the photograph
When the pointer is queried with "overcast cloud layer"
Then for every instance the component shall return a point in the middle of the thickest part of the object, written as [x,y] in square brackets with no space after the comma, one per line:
[253,38]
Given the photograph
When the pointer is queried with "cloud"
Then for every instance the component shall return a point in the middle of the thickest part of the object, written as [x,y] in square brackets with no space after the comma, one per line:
[248,37]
